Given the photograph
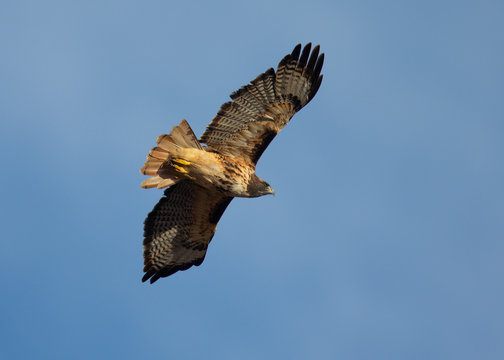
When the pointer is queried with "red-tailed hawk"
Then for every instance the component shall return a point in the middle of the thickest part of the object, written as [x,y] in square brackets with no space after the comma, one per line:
[203,180]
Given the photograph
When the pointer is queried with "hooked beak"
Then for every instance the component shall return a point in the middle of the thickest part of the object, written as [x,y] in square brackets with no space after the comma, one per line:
[270,190]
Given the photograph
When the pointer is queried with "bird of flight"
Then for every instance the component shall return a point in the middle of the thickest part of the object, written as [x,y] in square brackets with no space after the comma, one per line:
[202,180]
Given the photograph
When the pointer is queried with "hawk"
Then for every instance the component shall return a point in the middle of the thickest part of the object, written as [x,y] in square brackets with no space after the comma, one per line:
[202,180]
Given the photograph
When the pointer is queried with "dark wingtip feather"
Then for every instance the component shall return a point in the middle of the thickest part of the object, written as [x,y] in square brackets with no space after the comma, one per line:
[304,56]
[318,66]
[313,58]
[155,275]
[316,86]
[148,274]
[155,278]
[296,51]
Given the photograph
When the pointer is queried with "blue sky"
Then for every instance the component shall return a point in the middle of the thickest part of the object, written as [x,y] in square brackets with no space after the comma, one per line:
[385,238]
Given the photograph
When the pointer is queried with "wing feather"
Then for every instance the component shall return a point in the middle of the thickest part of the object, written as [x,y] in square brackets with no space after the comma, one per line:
[246,125]
[179,228]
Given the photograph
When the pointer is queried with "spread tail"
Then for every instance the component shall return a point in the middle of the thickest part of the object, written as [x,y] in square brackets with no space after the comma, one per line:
[159,162]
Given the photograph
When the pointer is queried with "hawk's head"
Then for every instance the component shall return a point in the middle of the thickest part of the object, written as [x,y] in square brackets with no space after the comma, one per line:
[258,187]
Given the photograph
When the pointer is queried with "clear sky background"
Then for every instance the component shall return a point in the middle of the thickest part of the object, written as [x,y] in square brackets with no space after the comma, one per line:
[385,239]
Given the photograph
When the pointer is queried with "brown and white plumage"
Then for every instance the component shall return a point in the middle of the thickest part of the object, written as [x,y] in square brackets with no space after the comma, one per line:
[246,125]
[179,228]
[204,179]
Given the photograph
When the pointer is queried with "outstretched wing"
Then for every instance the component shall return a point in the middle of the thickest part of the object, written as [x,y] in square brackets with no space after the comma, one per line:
[246,125]
[179,228]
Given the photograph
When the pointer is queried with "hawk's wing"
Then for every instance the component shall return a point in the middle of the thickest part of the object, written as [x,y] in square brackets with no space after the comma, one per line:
[179,228]
[246,125]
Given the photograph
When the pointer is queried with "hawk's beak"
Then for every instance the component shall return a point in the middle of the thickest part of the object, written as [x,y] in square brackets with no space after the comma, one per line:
[270,190]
